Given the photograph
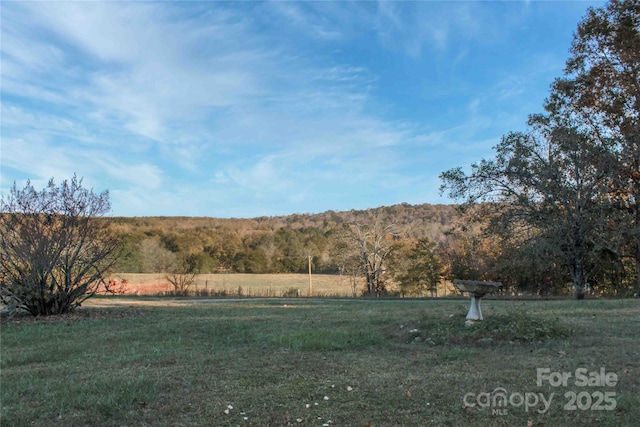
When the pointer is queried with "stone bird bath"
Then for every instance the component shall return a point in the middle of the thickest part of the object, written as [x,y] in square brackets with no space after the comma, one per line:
[476,289]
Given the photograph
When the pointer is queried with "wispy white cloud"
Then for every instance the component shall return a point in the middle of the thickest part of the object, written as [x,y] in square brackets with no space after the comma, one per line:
[268,104]
[417,28]
[195,86]
[312,24]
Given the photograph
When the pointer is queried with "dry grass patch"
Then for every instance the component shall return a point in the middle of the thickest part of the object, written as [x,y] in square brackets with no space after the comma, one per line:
[237,284]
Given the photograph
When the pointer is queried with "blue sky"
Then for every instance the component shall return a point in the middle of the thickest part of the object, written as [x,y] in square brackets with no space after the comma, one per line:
[245,109]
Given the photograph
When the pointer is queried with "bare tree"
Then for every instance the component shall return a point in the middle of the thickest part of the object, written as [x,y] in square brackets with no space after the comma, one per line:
[155,258]
[373,242]
[349,264]
[181,282]
[54,250]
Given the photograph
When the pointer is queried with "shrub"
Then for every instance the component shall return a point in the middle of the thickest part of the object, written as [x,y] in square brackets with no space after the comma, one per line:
[54,250]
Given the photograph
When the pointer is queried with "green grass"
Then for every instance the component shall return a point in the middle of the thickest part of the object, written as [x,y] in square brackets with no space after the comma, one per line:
[515,326]
[383,363]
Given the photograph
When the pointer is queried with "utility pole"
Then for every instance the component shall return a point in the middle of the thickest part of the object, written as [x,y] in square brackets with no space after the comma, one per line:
[310,285]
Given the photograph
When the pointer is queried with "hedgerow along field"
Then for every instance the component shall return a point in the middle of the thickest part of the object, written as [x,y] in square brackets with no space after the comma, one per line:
[320,362]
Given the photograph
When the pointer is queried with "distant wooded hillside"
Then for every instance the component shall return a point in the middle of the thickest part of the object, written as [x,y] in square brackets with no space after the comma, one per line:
[280,244]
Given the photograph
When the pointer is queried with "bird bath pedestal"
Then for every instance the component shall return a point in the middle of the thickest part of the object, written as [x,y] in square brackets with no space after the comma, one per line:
[476,289]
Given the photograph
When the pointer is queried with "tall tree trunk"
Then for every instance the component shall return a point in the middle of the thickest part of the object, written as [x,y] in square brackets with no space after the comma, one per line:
[577,274]
[637,237]
[638,267]
[367,272]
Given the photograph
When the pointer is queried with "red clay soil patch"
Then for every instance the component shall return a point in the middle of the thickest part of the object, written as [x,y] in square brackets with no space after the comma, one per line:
[152,288]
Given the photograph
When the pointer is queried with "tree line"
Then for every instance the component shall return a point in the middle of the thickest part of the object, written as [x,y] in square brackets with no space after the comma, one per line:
[263,245]
[564,196]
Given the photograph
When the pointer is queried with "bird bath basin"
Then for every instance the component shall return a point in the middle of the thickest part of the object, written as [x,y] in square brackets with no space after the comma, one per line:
[476,289]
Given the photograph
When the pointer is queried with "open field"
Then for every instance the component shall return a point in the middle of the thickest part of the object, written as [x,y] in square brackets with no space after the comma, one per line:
[320,362]
[264,285]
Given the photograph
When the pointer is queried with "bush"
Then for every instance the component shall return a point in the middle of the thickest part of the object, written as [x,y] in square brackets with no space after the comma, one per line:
[291,293]
[54,250]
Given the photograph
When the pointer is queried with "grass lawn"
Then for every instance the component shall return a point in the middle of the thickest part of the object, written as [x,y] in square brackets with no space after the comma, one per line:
[321,362]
